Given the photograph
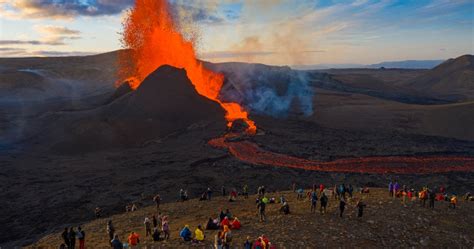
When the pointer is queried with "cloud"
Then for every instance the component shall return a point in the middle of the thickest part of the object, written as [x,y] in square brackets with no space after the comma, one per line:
[62,8]
[57,30]
[8,52]
[31,42]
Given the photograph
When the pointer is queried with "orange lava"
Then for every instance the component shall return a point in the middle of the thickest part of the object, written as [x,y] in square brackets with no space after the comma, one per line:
[154,40]
[251,153]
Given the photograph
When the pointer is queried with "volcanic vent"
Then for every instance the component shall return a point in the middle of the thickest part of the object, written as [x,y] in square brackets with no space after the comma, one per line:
[164,103]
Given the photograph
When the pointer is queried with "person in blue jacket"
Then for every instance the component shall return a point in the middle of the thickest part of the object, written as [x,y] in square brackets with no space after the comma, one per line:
[186,234]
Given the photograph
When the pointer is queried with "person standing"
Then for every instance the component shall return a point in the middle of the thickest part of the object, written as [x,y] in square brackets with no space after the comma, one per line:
[350,190]
[157,200]
[147,224]
[261,210]
[390,189]
[324,203]
[110,230]
[248,243]
[314,201]
[72,238]
[65,236]
[342,206]
[209,194]
[165,227]
[246,191]
[432,196]
[360,208]
[81,236]
[223,191]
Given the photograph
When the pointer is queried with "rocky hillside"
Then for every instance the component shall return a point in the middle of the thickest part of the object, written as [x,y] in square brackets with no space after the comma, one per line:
[386,223]
[452,79]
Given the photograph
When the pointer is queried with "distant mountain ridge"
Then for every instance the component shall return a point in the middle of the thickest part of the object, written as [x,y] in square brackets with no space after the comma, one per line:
[406,64]
[409,64]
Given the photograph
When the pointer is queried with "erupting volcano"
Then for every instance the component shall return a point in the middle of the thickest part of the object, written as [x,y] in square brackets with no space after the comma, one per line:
[154,40]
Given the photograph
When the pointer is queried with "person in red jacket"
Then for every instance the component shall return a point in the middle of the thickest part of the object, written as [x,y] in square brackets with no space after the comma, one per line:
[235,224]
[225,222]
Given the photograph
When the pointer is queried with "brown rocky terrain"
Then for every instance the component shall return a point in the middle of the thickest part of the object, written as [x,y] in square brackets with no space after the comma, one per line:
[386,223]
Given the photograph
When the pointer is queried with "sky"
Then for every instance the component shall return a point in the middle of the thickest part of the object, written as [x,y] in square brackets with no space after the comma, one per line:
[277,32]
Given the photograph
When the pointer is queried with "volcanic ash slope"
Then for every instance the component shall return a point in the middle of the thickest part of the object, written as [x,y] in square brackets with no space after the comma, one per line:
[164,103]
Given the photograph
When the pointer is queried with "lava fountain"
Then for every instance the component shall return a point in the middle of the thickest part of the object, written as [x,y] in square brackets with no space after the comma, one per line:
[154,40]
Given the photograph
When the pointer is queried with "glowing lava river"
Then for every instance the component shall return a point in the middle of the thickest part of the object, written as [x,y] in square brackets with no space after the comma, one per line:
[249,152]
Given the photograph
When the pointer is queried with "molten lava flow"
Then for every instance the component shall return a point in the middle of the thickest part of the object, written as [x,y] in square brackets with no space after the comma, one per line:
[252,153]
[150,33]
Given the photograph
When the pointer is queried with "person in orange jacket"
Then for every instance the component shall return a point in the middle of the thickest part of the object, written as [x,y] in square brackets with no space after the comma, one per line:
[133,239]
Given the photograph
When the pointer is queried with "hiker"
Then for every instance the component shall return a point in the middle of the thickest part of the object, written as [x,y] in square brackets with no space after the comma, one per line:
[134,207]
[324,203]
[246,191]
[342,190]
[390,189]
[282,199]
[299,194]
[72,238]
[221,215]
[235,224]
[223,191]
[203,196]
[233,195]
[248,243]
[198,235]
[98,212]
[226,237]
[157,200]
[154,221]
[342,206]
[110,230]
[65,236]
[396,188]
[218,240]
[285,208]
[335,192]
[314,201]
[321,188]
[156,234]
[165,227]
[453,202]
[182,195]
[209,193]
[261,209]
[185,233]
[225,222]
[81,236]
[116,243]
[133,239]
[212,225]
[423,196]
[147,224]
[350,190]
[432,196]
[360,208]
[259,244]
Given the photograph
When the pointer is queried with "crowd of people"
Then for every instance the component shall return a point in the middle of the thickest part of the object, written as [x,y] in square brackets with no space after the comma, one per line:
[156,226]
